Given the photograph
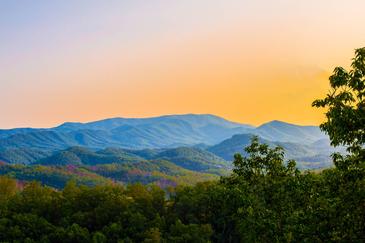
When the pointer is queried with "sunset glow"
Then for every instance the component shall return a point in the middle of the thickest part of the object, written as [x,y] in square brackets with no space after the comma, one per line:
[247,61]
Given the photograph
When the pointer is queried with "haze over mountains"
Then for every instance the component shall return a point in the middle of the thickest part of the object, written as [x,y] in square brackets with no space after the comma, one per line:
[156,132]
[215,134]
[166,150]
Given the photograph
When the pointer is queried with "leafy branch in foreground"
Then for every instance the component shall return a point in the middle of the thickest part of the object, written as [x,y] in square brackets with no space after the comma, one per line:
[345,113]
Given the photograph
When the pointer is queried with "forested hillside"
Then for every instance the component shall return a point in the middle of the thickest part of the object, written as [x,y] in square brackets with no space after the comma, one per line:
[183,166]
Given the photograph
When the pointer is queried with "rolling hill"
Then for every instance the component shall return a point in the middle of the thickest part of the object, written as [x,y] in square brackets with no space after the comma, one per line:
[286,132]
[197,142]
[185,157]
[157,132]
[159,172]
[308,155]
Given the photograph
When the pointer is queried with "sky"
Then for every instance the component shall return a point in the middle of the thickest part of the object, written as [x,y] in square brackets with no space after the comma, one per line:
[247,61]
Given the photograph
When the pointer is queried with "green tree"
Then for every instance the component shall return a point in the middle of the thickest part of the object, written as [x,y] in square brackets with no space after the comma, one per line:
[345,113]
[99,237]
[7,187]
[340,200]
[180,232]
[262,161]
[153,235]
[75,233]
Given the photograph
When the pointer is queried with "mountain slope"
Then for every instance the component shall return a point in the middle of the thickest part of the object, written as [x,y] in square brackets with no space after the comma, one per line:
[192,158]
[286,132]
[22,155]
[307,155]
[158,172]
[85,156]
[188,158]
[157,132]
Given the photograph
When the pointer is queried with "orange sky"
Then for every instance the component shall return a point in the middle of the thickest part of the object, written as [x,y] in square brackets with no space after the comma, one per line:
[248,61]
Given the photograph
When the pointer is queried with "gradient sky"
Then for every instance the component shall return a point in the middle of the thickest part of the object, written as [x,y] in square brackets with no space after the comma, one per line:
[248,61]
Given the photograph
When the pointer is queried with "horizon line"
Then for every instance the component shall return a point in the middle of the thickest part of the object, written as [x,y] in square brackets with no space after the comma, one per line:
[155,116]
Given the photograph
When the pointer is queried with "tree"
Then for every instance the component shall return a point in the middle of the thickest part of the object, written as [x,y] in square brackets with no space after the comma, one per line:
[153,235]
[343,189]
[261,161]
[99,237]
[345,105]
[7,187]
[75,233]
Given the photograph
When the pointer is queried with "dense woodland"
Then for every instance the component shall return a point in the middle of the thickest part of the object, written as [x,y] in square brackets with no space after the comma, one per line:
[264,199]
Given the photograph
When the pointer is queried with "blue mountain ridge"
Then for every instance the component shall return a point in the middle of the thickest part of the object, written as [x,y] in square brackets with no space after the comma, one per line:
[205,131]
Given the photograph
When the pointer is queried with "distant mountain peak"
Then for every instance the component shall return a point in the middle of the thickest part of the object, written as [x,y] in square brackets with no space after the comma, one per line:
[282,123]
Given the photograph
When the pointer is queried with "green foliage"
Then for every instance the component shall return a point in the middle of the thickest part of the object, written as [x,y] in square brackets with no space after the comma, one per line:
[159,172]
[264,200]
[85,156]
[193,158]
[345,105]
[56,177]
[7,188]
[185,157]
[262,161]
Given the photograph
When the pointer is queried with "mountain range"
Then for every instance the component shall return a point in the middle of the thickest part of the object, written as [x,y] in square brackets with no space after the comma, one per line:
[156,132]
[140,133]
[194,143]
